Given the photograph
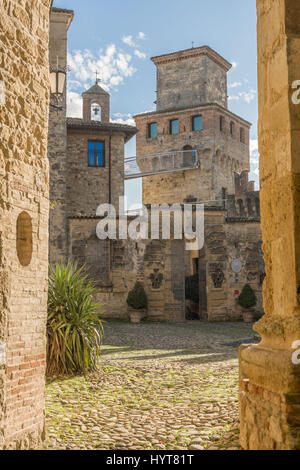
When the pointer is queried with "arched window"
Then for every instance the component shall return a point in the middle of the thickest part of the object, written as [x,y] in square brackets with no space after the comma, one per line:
[96,112]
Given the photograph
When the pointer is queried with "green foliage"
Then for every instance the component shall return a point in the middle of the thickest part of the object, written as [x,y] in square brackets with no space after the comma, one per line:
[192,288]
[74,329]
[247,298]
[137,297]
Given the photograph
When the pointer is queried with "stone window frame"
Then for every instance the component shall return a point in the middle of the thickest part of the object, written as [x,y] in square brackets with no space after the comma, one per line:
[149,130]
[170,126]
[94,141]
[221,122]
[242,135]
[232,128]
[193,122]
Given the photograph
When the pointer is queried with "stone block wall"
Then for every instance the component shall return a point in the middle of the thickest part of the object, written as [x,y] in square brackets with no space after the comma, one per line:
[203,73]
[224,242]
[24,204]
[269,377]
[116,265]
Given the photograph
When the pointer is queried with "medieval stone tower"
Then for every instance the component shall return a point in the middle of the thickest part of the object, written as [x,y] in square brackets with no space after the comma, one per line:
[193,149]
[192,137]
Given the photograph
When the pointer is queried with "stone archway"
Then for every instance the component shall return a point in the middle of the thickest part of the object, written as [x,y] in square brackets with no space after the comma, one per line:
[270,372]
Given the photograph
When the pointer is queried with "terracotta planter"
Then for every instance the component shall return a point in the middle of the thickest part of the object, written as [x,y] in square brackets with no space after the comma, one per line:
[248,315]
[136,316]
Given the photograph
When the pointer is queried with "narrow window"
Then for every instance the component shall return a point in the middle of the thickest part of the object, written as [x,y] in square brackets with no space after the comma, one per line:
[174,127]
[221,123]
[242,135]
[96,154]
[152,130]
[231,128]
[197,123]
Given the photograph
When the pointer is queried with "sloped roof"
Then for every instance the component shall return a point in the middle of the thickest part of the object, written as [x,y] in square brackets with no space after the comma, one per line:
[80,124]
[96,90]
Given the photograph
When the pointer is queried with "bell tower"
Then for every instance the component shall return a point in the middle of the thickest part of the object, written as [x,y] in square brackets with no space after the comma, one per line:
[96,104]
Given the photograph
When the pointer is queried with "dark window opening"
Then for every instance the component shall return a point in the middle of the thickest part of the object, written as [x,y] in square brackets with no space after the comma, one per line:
[242,135]
[221,123]
[232,129]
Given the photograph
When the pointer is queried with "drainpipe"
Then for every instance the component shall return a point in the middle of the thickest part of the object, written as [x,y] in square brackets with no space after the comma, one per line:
[109,201]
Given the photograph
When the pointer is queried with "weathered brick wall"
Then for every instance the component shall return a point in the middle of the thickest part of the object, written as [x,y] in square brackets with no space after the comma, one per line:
[24,36]
[220,153]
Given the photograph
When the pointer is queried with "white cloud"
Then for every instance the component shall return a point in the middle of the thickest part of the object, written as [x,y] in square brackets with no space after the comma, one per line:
[141,35]
[234,85]
[74,104]
[247,96]
[140,54]
[123,119]
[234,65]
[129,41]
[112,65]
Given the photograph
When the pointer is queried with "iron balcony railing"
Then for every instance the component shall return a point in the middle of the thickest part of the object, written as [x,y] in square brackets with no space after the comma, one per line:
[167,162]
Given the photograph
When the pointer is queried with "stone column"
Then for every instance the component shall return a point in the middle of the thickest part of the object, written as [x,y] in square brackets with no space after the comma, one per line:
[269,374]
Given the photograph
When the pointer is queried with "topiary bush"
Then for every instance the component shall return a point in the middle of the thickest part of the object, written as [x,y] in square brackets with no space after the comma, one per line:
[74,329]
[137,297]
[247,298]
[192,288]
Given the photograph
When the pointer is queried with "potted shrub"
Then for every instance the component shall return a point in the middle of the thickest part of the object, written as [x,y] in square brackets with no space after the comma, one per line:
[247,300]
[137,302]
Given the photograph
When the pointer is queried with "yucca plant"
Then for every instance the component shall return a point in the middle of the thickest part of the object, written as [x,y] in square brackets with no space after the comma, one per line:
[74,329]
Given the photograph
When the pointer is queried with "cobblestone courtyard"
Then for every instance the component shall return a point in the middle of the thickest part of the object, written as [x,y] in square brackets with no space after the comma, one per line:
[160,386]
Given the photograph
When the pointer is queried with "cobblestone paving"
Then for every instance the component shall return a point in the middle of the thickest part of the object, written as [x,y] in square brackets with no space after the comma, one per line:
[160,386]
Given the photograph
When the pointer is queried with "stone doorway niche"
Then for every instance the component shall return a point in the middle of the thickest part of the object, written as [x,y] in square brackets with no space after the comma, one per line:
[197,268]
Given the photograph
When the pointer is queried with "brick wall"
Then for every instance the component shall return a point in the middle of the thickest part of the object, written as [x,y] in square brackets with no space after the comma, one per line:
[24,35]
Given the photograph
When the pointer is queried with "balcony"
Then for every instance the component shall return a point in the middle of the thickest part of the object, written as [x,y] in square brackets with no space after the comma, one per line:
[159,163]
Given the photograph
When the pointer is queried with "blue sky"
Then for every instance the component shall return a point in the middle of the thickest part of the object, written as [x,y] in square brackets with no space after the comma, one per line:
[117,38]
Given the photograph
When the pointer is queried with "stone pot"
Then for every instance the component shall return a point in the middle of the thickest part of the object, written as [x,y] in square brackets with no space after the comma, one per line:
[136,316]
[248,315]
